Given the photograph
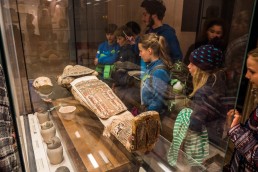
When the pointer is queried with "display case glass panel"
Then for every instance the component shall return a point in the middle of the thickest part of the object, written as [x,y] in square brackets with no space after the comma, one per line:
[50,49]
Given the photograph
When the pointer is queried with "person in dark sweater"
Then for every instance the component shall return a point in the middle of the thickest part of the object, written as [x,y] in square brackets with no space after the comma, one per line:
[153,14]
[126,52]
[208,86]
[212,28]
[245,136]
[136,29]
[127,59]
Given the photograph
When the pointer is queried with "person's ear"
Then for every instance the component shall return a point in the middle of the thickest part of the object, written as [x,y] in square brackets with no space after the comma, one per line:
[149,50]
[154,16]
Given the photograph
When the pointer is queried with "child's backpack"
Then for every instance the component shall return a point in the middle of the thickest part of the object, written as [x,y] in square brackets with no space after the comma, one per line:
[179,87]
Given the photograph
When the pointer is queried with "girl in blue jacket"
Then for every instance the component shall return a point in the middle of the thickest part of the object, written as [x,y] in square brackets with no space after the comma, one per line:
[155,81]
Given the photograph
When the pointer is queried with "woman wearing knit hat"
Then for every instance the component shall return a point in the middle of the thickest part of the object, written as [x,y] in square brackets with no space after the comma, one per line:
[204,105]
[208,85]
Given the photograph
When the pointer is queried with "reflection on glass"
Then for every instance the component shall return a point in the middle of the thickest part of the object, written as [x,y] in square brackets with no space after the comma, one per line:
[53,34]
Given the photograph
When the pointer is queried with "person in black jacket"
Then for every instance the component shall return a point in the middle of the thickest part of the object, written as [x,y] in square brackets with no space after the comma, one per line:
[212,28]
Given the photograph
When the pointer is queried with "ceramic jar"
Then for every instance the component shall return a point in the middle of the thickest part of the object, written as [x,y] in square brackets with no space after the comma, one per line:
[42,117]
[55,151]
[67,112]
[62,169]
[47,131]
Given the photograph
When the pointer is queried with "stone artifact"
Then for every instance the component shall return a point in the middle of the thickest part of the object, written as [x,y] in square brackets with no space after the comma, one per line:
[55,151]
[42,117]
[62,169]
[44,87]
[72,72]
[67,112]
[47,131]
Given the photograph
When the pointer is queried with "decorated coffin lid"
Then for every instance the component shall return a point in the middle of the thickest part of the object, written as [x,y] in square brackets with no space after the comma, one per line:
[98,96]
[138,133]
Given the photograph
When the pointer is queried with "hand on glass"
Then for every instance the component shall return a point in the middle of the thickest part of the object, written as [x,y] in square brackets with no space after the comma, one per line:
[237,117]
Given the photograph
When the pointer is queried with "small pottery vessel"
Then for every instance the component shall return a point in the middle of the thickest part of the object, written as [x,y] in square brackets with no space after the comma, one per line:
[55,151]
[43,85]
[67,112]
[47,131]
[62,169]
[43,117]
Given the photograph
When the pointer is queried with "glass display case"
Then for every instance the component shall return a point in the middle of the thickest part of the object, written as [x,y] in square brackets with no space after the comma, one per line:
[68,117]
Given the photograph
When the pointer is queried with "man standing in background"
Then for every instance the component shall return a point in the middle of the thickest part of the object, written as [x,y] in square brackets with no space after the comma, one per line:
[153,14]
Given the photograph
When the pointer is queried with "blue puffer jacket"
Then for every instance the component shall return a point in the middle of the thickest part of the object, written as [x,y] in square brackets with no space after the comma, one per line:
[154,87]
[107,54]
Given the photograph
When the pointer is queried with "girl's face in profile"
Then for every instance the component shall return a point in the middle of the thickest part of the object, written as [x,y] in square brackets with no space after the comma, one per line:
[111,38]
[192,68]
[214,31]
[144,53]
[252,70]
[121,41]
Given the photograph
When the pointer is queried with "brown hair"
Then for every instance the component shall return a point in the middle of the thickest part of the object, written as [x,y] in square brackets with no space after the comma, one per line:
[123,31]
[110,28]
[154,7]
[210,23]
[254,53]
[159,46]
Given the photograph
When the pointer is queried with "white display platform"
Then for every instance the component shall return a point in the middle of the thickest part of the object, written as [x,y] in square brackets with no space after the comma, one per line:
[40,148]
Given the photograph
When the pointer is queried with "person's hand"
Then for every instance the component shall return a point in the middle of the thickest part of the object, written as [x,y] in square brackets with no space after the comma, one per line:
[95,61]
[237,117]
[131,39]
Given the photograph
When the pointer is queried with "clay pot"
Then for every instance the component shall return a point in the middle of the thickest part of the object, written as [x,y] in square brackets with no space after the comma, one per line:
[67,112]
[43,117]
[55,151]
[47,131]
[62,169]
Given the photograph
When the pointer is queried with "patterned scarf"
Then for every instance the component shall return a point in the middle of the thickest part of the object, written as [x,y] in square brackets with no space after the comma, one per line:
[196,144]
[8,160]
